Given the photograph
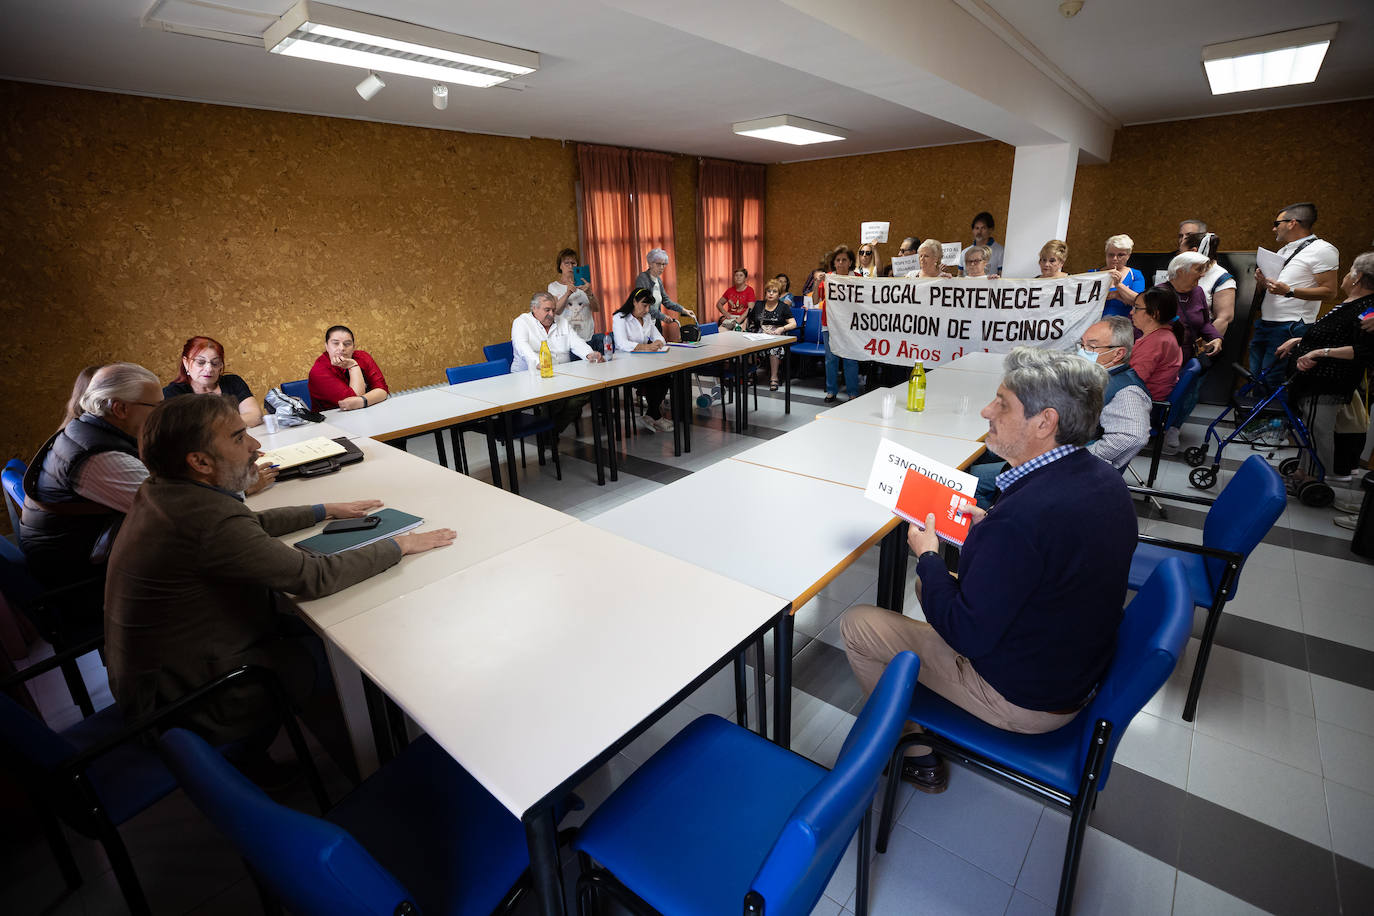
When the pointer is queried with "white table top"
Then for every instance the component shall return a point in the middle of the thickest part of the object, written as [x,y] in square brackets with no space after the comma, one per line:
[290,435]
[977,362]
[844,454]
[697,519]
[515,390]
[505,664]
[953,402]
[488,520]
[628,367]
[408,414]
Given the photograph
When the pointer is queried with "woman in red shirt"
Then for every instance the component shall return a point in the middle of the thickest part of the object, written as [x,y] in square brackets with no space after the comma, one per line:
[735,302]
[1156,356]
[343,377]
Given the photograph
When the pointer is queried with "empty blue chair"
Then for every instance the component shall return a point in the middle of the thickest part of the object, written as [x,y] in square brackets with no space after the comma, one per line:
[1239,518]
[299,389]
[721,820]
[1163,414]
[810,342]
[420,831]
[1068,766]
[710,327]
[505,350]
[522,424]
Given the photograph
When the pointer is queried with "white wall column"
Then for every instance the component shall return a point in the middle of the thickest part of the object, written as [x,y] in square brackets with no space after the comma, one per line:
[1041,192]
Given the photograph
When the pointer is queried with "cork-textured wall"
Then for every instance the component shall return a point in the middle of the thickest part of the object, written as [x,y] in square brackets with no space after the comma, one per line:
[129,224]
[1236,172]
[930,193]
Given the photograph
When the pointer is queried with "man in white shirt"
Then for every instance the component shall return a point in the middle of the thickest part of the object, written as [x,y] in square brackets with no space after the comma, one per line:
[1291,299]
[982,226]
[541,325]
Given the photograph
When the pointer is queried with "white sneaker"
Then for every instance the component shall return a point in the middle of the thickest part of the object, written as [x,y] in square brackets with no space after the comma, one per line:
[1171,443]
[1345,521]
[664,424]
[1351,506]
[643,422]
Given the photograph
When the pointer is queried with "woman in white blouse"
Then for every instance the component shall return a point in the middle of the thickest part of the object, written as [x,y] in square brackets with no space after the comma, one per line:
[635,332]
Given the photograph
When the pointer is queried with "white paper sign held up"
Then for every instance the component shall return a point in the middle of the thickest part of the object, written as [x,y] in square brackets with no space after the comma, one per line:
[873,232]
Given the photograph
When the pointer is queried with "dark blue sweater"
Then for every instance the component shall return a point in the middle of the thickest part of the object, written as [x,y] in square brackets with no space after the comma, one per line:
[1042,581]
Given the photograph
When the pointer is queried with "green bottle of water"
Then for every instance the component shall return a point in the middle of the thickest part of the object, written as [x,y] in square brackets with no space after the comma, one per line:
[916,388]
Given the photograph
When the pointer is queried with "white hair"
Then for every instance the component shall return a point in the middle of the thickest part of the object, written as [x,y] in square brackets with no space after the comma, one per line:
[931,246]
[115,382]
[1121,242]
[539,297]
[656,256]
[1187,261]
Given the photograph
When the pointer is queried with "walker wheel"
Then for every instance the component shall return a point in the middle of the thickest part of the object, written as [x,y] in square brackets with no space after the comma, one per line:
[1316,494]
[1203,478]
[1195,455]
[1287,466]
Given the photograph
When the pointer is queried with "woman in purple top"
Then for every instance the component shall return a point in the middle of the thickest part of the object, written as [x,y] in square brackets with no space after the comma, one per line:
[1198,336]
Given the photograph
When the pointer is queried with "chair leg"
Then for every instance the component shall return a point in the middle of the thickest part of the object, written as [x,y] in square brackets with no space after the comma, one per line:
[76,686]
[894,778]
[61,850]
[123,868]
[1204,650]
[522,453]
[1083,804]
[865,858]
[557,465]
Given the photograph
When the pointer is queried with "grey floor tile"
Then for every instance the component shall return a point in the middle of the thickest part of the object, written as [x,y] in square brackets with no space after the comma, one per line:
[915,876]
[1113,877]
[983,822]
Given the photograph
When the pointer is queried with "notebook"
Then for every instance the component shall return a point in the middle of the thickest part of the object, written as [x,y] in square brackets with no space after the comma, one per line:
[288,456]
[393,522]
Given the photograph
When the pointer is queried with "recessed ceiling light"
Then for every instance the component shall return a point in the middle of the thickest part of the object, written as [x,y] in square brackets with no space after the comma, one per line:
[789,129]
[1281,59]
[329,33]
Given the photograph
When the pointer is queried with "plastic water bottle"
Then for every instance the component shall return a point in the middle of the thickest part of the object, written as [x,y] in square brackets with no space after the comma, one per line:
[607,347]
[916,388]
[1275,433]
[545,360]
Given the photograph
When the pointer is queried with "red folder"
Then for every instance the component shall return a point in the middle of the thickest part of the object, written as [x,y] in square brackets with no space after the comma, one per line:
[921,495]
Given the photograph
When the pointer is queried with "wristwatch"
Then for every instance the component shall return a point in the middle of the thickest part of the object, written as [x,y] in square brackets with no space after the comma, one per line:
[928,553]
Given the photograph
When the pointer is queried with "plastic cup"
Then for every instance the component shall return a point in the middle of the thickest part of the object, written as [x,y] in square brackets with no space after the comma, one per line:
[889,405]
[270,421]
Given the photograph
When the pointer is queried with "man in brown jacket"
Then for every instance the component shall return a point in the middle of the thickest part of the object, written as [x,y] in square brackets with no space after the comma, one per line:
[192,581]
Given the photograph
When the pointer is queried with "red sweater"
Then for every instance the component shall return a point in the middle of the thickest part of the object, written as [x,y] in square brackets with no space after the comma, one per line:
[1156,358]
[329,383]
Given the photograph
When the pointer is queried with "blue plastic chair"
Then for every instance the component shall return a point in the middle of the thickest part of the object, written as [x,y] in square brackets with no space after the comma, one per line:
[1070,765]
[721,820]
[12,478]
[1239,518]
[523,425]
[810,342]
[505,350]
[299,389]
[1163,413]
[710,327]
[420,831]
[94,776]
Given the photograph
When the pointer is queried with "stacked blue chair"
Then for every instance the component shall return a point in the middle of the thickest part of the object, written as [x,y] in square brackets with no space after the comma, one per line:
[1068,766]
[721,820]
[1238,519]
[418,836]
[522,424]
[299,389]
[505,351]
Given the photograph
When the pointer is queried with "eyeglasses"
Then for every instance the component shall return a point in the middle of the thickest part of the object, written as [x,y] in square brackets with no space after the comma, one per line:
[1087,346]
[865,254]
[975,260]
[1138,308]
[1287,219]
[202,363]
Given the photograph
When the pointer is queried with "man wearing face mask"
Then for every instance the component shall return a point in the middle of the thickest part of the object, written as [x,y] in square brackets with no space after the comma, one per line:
[192,582]
[1125,420]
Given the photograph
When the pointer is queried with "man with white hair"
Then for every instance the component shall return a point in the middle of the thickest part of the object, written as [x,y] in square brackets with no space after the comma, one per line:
[541,325]
[82,481]
[1022,636]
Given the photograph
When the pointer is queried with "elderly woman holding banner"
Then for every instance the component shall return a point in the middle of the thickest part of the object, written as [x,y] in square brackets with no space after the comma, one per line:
[1053,256]
[928,253]
[1127,282]
[977,259]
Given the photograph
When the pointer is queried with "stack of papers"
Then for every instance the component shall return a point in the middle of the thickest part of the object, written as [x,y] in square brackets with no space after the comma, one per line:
[288,456]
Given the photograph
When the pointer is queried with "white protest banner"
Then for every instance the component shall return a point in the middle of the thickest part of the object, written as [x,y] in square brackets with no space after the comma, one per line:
[899,321]
[872,232]
[904,264]
[949,252]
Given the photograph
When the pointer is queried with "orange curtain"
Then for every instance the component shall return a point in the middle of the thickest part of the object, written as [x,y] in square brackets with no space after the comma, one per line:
[729,228]
[627,209]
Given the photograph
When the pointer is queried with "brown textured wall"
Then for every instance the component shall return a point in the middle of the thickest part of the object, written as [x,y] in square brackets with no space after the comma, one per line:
[1236,172]
[930,193]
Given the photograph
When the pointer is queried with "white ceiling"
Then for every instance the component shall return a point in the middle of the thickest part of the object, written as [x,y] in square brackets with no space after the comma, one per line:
[611,75]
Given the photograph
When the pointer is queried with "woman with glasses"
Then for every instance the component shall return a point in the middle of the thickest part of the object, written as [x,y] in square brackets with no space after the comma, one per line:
[870,263]
[735,302]
[976,261]
[1156,356]
[202,372]
[1127,282]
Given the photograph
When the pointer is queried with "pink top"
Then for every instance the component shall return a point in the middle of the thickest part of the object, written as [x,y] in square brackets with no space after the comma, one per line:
[1156,358]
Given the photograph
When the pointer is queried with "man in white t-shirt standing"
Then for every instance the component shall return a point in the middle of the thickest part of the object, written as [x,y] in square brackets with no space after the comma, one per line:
[539,326]
[1292,299]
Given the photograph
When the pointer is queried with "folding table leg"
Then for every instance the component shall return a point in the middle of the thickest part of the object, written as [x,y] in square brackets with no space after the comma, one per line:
[892,561]
[741,693]
[510,453]
[541,835]
[782,680]
[684,380]
[439,447]
[596,443]
[491,453]
[760,694]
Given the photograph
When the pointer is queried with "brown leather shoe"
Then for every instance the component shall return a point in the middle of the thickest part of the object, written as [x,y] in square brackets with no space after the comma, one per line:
[928,774]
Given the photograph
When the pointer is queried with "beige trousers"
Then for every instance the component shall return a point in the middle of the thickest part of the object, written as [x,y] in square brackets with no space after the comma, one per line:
[873,635]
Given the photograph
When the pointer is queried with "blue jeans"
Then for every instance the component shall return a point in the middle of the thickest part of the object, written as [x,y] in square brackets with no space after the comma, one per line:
[832,366]
[1266,339]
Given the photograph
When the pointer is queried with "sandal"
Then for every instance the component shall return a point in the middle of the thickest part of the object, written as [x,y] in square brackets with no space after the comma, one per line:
[773,385]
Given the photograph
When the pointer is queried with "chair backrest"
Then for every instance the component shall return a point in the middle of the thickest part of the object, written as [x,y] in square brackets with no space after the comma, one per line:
[13,481]
[311,865]
[812,842]
[459,374]
[1186,376]
[1244,511]
[812,332]
[799,331]
[505,350]
[299,389]
[710,327]
[1150,640]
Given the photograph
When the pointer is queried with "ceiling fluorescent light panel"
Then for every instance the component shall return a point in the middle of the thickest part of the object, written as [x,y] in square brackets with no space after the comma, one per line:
[331,34]
[1282,59]
[789,129]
